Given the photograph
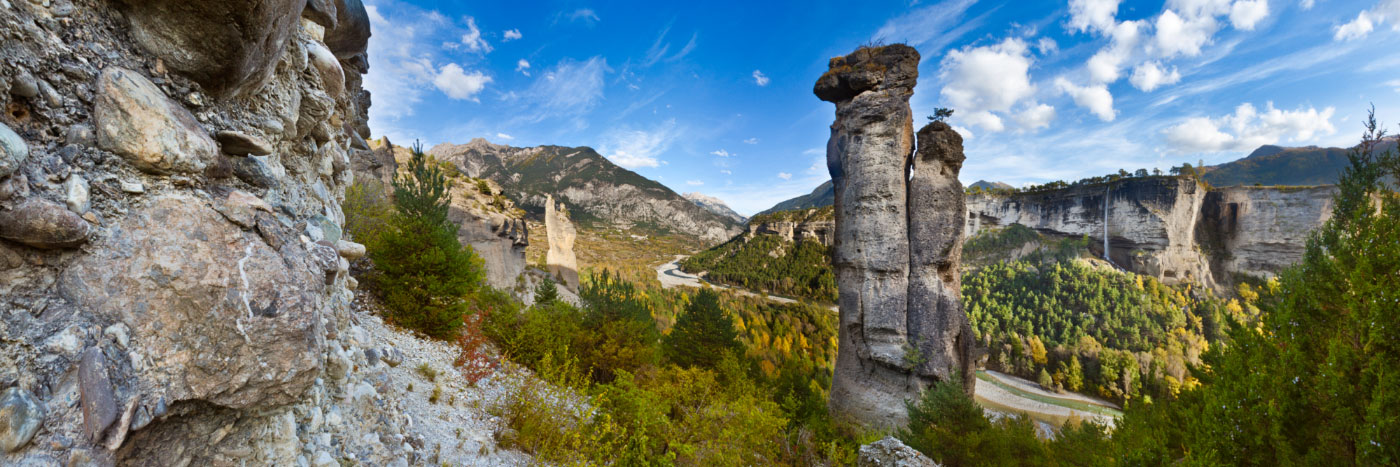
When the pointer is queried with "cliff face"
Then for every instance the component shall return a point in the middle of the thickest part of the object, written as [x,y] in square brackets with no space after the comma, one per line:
[595,190]
[560,259]
[1170,228]
[896,250]
[818,225]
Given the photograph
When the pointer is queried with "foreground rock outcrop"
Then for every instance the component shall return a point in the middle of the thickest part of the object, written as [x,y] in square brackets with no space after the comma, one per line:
[898,236]
[560,259]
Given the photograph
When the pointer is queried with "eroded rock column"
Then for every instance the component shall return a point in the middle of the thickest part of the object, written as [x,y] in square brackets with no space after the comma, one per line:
[898,232]
[562,263]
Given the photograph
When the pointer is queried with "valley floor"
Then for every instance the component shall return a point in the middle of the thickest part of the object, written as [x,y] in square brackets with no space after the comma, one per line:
[671,275]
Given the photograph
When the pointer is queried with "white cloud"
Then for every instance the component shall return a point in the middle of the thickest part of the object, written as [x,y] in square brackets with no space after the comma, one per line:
[523,66]
[982,80]
[511,35]
[504,136]
[634,148]
[785,175]
[726,171]
[1307,4]
[1046,46]
[1034,116]
[1247,129]
[472,39]
[1394,83]
[1124,40]
[658,50]
[933,26]
[1366,21]
[1094,97]
[585,15]
[1092,15]
[1244,14]
[751,141]
[458,84]
[721,153]
[571,88]
[1150,76]
[759,78]
[694,182]
[1178,35]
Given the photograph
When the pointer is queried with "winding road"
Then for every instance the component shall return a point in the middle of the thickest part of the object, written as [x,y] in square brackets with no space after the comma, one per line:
[671,275]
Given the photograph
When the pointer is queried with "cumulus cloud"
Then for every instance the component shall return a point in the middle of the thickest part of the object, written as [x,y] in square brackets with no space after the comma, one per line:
[523,66]
[1244,14]
[1035,116]
[1125,37]
[721,153]
[472,39]
[504,136]
[1182,35]
[1248,128]
[636,148]
[458,84]
[1046,46]
[1150,75]
[759,78]
[1092,15]
[785,175]
[1094,97]
[987,79]
[1368,20]
[511,35]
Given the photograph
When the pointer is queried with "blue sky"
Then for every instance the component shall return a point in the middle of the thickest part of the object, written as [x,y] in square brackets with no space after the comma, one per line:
[716,97]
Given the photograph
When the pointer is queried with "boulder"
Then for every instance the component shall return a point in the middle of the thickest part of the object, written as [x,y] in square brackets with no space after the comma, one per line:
[350,36]
[220,316]
[43,224]
[155,134]
[237,143]
[13,151]
[332,76]
[21,415]
[228,47]
[890,452]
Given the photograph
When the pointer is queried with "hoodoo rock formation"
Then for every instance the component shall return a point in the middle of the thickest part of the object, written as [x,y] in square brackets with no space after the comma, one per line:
[560,259]
[898,236]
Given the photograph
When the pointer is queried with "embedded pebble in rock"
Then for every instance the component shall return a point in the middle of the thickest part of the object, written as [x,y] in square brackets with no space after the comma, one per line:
[156,135]
[25,86]
[43,224]
[21,415]
[330,232]
[254,171]
[118,333]
[99,405]
[237,143]
[328,67]
[77,190]
[242,208]
[349,249]
[13,151]
[132,187]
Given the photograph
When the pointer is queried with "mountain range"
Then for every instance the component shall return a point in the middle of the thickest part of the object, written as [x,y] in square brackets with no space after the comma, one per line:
[597,192]
[715,205]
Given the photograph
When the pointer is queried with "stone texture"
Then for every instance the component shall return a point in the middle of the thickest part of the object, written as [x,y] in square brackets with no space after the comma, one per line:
[228,47]
[220,316]
[153,133]
[322,12]
[897,232]
[560,259]
[328,67]
[13,151]
[21,415]
[237,143]
[77,193]
[99,403]
[350,36]
[350,250]
[937,323]
[890,452]
[254,171]
[43,224]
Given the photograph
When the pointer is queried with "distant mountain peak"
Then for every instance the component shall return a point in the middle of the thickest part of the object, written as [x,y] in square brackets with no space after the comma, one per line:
[714,205]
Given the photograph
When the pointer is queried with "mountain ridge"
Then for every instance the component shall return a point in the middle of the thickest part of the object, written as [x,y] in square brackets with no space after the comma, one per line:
[715,205]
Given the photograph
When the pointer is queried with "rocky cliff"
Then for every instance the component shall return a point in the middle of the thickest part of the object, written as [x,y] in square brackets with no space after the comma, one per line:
[1171,228]
[560,259]
[817,224]
[596,191]
[896,250]
[171,269]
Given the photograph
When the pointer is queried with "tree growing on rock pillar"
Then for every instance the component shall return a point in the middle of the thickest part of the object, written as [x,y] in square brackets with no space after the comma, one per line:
[899,217]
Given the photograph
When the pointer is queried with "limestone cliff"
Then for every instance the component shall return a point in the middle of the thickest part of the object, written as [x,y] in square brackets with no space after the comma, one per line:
[1171,228]
[897,242]
[818,225]
[172,275]
[560,259]
[597,192]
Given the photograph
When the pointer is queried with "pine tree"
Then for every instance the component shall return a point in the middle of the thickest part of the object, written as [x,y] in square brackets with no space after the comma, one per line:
[546,293]
[422,271]
[702,335]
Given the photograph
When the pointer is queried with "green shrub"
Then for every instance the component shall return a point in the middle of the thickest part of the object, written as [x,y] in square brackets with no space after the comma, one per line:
[368,210]
[423,272]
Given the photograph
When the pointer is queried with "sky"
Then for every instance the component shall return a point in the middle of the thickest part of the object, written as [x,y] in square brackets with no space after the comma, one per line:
[716,97]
